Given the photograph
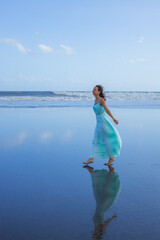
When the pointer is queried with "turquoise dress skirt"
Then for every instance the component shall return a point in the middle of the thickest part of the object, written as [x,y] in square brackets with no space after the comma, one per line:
[106,141]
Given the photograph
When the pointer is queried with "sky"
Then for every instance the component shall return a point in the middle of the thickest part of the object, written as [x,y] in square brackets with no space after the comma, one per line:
[70,45]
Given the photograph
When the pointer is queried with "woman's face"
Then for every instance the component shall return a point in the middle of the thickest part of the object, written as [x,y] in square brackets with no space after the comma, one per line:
[95,91]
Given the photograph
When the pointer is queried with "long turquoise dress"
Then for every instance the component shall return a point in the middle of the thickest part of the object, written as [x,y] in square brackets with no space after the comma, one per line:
[106,141]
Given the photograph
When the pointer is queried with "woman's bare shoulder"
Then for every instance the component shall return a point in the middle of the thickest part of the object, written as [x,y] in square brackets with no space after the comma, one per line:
[102,101]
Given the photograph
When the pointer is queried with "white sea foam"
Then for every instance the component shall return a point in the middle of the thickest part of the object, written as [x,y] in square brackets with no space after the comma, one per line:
[77,98]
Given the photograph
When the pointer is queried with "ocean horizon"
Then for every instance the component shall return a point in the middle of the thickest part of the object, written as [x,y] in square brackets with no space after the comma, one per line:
[120,99]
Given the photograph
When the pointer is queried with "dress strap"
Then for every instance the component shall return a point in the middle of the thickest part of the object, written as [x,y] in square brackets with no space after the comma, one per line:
[99,100]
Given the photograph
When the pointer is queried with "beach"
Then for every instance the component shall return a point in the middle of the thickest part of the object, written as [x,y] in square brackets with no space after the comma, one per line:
[47,194]
[79,80]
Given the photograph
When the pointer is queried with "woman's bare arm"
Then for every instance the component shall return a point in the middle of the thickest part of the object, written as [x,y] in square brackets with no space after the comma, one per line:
[107,110]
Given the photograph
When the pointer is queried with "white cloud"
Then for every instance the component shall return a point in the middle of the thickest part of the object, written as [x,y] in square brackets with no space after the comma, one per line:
[16,44]
[131,60]
[141,40]
[68,50]
[6,80]
[140,59]
[45,49]
[137,60]
[28,78]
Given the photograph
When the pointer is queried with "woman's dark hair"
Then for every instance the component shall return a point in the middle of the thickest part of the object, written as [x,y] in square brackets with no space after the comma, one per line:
[100,89]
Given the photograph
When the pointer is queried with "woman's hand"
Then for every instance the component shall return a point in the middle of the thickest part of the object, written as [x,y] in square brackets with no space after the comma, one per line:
[116,121]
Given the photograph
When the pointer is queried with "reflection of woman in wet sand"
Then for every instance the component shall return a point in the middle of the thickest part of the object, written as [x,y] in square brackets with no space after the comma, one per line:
[106,187]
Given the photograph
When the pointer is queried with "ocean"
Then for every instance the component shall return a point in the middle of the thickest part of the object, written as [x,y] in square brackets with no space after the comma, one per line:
[39,99]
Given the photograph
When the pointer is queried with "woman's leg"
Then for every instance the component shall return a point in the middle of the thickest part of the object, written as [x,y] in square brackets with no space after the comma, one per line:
[111,159]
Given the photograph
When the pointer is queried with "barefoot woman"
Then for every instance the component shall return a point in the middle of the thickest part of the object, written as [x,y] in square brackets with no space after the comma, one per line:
[106,142]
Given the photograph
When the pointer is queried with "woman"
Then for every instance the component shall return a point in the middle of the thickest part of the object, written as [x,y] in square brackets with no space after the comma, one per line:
[106,141]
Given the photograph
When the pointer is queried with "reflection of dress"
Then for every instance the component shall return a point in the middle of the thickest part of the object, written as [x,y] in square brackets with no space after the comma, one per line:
[106,141]
[106,187]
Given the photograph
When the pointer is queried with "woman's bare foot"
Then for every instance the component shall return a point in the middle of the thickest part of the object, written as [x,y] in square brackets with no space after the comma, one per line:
[110,161]
[90,160]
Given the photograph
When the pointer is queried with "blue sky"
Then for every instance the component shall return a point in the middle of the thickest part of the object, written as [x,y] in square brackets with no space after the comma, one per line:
[73,45]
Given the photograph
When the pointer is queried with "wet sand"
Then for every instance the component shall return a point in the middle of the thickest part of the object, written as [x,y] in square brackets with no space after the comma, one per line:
[47,194]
